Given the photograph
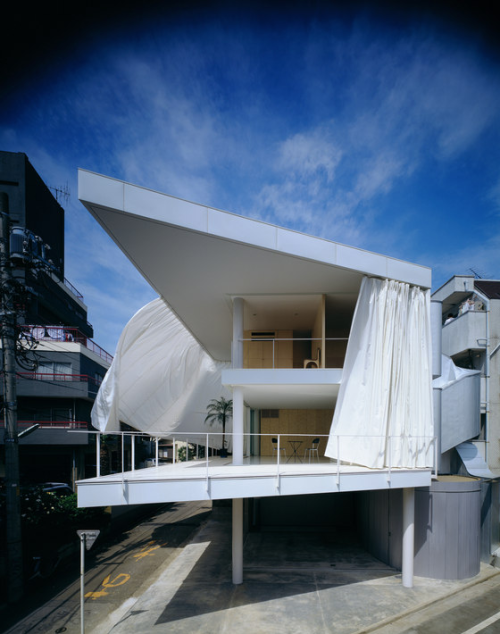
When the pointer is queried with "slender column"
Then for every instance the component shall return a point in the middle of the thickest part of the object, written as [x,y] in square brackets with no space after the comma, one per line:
[408,536]
[237,541]
[238,425]
[238,332]
[436,337]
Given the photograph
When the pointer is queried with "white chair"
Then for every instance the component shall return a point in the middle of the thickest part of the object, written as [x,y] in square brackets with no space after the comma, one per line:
[312,450]
[313,363]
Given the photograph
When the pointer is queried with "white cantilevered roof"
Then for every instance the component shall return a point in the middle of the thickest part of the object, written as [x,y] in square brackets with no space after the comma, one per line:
[197,258]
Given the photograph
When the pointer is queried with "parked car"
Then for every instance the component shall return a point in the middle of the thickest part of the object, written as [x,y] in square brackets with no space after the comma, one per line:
[57,488]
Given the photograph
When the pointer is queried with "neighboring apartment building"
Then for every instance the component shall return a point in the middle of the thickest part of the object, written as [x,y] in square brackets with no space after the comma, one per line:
[327,354]
[471,338]
[58,380]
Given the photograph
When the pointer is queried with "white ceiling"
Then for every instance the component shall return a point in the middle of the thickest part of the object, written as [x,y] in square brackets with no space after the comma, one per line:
[199,258]
[199,274]
[304,396]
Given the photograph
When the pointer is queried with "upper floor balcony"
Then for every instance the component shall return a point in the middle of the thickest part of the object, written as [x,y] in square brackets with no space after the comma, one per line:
[51,432]
[47,335]
[465,332]
[292,332]
[282,349]
[57,384]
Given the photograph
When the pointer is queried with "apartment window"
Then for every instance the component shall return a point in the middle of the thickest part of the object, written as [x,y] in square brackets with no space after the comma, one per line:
[54,370]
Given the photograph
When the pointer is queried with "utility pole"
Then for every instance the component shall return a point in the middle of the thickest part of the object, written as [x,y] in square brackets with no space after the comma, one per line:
[8,333]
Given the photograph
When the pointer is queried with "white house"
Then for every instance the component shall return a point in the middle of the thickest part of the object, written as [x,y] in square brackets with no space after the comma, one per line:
[325,351]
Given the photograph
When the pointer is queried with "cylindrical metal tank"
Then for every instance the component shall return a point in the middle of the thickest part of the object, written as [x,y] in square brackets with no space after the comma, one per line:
[448,528]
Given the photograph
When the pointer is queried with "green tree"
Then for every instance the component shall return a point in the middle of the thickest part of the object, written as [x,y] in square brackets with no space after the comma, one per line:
[220,411]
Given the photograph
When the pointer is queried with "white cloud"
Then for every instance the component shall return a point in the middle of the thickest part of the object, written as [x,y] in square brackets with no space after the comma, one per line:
[325,134]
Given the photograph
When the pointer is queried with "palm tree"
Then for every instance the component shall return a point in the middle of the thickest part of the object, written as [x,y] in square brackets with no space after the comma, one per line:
[219,411]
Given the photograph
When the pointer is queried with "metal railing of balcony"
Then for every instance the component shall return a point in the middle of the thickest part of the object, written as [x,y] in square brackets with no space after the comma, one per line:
[51,424]
[333,467]
[66,334]
[59,377]
[73,289]
[277,340]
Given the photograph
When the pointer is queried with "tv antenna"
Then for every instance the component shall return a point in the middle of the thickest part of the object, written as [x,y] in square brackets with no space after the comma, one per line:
[62,193]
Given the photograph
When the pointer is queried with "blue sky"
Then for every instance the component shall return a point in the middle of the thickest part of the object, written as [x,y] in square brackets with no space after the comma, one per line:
[369,126]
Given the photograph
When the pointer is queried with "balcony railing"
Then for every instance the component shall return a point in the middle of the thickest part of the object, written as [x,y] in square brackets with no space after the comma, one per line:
[73,289]
[67,334]
[50,424]
[277,352]
[280,461]
[465,332]
[59,377]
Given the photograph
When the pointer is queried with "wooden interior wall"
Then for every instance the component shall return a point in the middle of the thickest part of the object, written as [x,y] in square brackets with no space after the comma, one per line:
[259,354]
[290,422]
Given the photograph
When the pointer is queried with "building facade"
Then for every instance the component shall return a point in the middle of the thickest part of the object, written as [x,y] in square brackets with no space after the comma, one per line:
[59,367]
[328,353]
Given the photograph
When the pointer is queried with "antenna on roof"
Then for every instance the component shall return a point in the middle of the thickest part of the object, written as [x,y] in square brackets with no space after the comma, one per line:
[476,275]
[61,192]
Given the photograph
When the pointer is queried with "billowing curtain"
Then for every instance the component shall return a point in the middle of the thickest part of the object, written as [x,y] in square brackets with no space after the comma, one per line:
[161,379]
[384,411]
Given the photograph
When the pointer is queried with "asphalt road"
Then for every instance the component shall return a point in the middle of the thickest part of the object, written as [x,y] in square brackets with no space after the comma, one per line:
[114,574]
[475,610]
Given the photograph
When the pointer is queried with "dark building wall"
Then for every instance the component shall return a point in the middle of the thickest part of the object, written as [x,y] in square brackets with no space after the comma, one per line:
[33,207]
[31,203]
[305,512]
[49,453]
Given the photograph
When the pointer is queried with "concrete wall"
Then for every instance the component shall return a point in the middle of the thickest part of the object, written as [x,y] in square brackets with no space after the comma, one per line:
[379,515]
[460,412]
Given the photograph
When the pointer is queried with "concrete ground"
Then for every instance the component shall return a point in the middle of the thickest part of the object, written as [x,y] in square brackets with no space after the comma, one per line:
[293,582]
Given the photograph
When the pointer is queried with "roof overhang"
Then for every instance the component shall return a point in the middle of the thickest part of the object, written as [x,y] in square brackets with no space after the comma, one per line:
[198,258]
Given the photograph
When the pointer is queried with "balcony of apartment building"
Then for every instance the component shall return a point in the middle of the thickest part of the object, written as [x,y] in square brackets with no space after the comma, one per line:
[64,338]
[56,380]
[50,432]
[466,331]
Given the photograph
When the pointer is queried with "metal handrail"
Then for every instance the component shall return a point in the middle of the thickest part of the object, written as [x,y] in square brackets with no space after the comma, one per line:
[55,376]
[73,289]
[67,334]
[51,424]
[274,340]
[431,442]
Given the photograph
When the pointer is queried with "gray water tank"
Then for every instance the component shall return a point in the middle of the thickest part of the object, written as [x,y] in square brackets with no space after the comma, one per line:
[448,528]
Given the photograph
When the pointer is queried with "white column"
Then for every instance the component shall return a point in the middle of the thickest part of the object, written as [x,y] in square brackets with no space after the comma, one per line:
[237,541]
[238,425]
[238,332]
[408,536]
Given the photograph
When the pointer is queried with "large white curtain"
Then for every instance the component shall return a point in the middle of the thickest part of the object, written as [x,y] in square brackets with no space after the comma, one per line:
[384,411]
[161,379]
